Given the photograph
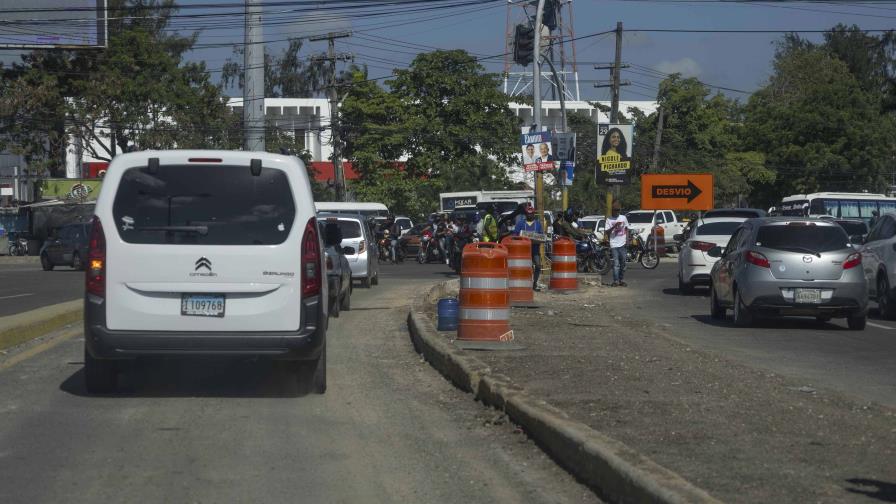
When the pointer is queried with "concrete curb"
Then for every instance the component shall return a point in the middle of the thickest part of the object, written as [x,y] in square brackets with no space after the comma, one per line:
[611,468]
[21,327]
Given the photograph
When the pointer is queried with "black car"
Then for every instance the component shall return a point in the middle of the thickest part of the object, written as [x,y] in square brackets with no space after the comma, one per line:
[66,246]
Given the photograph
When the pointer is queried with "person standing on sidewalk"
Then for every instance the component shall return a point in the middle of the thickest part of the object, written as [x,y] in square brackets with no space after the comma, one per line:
[617,230]
[531,224]
[490,225]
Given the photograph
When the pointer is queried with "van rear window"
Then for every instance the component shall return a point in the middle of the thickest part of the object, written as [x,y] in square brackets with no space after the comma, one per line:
[204,205]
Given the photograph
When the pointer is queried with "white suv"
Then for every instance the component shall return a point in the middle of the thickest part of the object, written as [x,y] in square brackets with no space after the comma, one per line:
[205,253]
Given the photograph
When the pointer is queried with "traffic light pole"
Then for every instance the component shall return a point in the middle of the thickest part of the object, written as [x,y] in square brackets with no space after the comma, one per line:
[536,113]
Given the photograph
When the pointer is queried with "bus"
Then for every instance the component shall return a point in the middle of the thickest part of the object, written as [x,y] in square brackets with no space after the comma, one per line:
[480,199]
[366,209]
[837,204]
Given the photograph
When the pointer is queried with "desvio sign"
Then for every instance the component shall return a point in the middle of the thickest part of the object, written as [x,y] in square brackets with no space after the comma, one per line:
[685,191]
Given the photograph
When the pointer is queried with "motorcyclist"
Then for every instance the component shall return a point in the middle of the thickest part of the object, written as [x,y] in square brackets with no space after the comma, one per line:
[394,234]
[563,225]
[531,224]
[441,237]
[490,224]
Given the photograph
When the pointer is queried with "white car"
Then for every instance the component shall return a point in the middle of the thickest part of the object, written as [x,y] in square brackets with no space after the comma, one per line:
[694,263]
[364,262]
[594,223]
[196,253]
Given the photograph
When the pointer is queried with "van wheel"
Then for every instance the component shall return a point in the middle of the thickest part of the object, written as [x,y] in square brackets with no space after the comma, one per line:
[857,322]
[77,263]
[99,375]
[742,315]
[312,375]
[347,299]
[885,302]
[45,263]
[684,287]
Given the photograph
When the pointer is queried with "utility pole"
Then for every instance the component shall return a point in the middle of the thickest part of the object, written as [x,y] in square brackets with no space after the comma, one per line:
[333,94]
[536,108]
[253,68]
[561,85]
[615,85]
[658,141]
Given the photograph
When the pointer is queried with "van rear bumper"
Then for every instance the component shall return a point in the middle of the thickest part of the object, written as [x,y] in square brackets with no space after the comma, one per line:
[303,344]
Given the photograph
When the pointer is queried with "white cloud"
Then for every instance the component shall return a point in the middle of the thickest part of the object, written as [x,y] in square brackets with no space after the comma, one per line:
[687,67]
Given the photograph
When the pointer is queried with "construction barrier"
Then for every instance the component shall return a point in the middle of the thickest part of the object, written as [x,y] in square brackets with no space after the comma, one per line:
[484,294]
[519,266]
[563,265]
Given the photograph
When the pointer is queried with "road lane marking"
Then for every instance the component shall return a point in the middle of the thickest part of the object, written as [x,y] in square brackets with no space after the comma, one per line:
[41,348]
[16,296]
[872,324]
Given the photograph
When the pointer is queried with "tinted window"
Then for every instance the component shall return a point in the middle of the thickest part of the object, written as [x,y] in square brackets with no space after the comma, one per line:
[639,218]
[350,229]
[717,228]
[886,229]
[853,228]
[205,205]
[813,237]
[734,213]
[669,217]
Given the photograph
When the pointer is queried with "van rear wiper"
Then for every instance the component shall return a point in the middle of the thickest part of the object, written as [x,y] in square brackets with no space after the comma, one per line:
[200,230]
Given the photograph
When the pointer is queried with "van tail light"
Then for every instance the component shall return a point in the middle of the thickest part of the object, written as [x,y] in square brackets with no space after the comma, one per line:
[756,259]
[702,246]
[852,261]
[311,260]
[96,260]
[361,247]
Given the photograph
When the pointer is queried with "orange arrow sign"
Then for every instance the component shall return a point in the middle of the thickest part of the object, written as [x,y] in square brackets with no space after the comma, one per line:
[684,191]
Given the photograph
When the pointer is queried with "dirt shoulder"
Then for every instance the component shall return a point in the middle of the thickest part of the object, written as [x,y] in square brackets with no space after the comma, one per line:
[742,434]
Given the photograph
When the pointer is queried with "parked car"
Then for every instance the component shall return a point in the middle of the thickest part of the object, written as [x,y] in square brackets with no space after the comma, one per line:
[694,264]
[642,222]
[339,273]
[67,246]
[879,264]
[205,253]
[364,259]
[789,266]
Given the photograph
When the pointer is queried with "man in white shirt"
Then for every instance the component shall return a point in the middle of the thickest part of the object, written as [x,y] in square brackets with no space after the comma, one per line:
[617,230]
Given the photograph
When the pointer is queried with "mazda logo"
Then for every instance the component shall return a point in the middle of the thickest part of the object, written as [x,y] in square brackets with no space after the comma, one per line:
[807,259]
[203,262]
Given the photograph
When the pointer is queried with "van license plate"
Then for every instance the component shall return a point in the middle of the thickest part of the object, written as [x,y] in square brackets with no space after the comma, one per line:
[202,305]
[807,295]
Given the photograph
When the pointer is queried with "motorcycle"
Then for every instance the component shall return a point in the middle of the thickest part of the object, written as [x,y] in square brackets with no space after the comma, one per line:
[644,253]
[385,249]
[593,256]
[18,247]
[428,249]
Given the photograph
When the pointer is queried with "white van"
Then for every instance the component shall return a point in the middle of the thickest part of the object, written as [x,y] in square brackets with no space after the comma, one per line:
[368,210]
[205,253]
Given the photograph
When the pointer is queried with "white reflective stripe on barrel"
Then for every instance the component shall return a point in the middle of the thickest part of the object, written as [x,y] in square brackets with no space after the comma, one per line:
[484,314]
[557,274]
[482,283]
[519,263]
[564,258]
[521,283]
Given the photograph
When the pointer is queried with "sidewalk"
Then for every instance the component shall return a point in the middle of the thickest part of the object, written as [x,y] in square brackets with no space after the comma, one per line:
[742,434]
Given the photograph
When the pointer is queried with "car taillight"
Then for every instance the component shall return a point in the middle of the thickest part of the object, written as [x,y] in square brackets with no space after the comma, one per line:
[702,246]
[852,261]
[96,260]
[757,259]
[361,247]
[311,275]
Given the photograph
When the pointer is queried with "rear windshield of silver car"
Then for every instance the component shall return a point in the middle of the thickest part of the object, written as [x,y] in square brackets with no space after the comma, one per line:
[802,237]
[204,205]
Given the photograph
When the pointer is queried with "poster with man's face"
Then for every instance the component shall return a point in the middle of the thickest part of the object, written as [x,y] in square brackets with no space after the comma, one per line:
[614,155]
[537,152]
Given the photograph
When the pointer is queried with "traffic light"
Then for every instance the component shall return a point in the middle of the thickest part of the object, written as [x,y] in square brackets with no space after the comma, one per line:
[523,44]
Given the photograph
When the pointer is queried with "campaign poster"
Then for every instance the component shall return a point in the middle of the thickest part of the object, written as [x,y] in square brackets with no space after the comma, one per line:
[538,154]
[614,157]
[567,172]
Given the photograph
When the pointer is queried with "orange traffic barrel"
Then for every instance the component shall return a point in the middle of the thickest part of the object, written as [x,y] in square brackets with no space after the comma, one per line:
[519,266]
[484,295]
[659,240]
[563,265]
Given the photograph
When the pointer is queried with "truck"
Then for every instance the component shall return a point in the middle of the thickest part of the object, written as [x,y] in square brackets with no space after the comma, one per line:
[643,222]
[503,200]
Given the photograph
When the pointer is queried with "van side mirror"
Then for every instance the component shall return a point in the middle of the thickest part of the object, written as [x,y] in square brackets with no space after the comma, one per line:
[348,250]
[716,251]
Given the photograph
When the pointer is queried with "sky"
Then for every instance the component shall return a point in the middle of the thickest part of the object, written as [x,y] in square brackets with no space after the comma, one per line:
[740,62]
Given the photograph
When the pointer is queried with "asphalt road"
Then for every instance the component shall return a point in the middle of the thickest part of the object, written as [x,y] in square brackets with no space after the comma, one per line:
[25,286]
[860,364]
[389,429]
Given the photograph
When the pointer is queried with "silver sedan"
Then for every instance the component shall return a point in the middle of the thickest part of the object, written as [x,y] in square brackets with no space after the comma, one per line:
[789,266]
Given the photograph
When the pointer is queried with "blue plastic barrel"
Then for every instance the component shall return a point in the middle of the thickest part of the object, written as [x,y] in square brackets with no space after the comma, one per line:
[447,308]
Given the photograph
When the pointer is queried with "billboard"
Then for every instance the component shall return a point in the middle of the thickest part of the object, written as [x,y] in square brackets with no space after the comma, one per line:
[48,24]
[538,153]
[614,156]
